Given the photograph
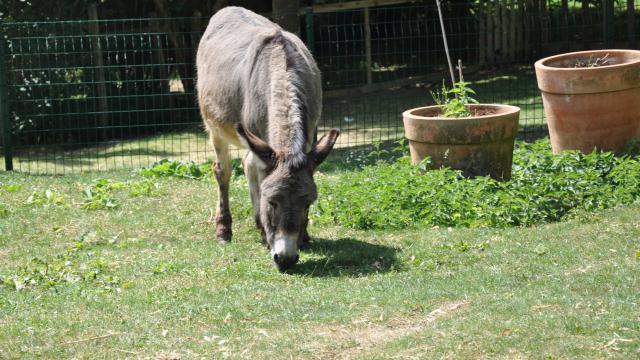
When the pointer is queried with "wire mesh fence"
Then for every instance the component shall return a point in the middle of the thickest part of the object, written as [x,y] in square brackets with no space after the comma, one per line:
[97,95]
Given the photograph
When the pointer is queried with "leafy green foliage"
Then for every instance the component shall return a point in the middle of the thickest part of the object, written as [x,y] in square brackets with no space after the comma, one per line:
[453,102]
[80,262]
[97,197]
[11,188]
[181,169]
[100,194]
[46,198]
[544,188]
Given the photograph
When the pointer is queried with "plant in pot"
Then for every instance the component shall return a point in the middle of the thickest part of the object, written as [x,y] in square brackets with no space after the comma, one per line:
[591,99]
[462,134]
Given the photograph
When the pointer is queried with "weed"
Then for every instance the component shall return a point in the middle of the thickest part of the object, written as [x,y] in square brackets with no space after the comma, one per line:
[378,151]
[454,102]
[591,62]
[188,170]
[46,198]
[11,188]
[99,195]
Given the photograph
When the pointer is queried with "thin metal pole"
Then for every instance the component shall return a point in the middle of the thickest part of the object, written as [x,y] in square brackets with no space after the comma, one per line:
[446,45]
[4,113]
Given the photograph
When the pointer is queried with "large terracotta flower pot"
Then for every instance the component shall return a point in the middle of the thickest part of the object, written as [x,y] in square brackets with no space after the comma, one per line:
[479,145]
[591,108]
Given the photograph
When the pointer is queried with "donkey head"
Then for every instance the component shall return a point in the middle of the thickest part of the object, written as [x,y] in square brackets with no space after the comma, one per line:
[286,193]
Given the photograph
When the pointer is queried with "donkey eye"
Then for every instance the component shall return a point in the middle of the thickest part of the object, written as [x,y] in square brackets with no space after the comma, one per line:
[273,204]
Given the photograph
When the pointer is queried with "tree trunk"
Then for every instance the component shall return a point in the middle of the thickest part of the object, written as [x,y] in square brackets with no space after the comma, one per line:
[98,62]
[527,29]
[482,35]
[176,42]
[565,24]
[285,13]
[631,23]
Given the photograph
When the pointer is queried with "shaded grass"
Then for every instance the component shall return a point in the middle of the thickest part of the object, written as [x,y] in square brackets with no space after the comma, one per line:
[363,119]
[563,290]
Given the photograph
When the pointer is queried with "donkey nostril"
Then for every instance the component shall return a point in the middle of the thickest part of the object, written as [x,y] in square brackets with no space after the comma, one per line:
[297,258]
[275,257]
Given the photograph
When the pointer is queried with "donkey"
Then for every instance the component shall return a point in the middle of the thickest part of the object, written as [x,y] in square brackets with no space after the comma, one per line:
[259,88]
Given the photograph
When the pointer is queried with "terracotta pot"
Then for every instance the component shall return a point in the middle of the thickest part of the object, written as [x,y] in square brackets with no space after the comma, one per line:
[591,108]
[477,145]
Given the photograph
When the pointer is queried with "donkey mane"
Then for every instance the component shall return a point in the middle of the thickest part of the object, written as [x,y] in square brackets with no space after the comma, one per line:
[287,112]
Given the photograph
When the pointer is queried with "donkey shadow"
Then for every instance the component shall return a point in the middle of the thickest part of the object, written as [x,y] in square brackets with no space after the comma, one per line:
[346,257]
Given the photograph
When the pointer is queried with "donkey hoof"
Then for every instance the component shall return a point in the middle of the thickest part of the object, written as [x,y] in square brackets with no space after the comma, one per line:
[223,235]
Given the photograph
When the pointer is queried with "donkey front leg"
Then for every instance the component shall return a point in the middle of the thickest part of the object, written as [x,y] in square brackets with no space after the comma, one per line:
[253,170]
[222,171]
[303,243]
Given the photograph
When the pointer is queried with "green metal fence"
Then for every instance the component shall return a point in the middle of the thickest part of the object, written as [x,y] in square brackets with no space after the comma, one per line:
[94,95]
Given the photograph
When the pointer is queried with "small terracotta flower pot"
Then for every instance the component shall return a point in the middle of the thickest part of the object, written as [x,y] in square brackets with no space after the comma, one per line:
[478,145]
[591,108]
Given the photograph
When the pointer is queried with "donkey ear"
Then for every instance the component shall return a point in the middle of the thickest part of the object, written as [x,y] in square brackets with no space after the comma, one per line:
[323,147]
[256,145]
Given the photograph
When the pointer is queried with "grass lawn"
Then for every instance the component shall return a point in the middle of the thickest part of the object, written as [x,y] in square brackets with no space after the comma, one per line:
[145,279]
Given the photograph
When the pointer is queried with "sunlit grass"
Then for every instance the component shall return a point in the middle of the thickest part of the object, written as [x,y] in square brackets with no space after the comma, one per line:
[147,279]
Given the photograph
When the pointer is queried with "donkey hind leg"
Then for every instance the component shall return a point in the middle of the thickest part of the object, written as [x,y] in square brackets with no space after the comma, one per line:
[222,171]
[255,175]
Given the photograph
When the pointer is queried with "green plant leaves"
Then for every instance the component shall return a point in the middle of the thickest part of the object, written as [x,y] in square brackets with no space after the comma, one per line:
[79,262]
[187,170]
[544,188]
[46,198]
[455,106]
[100,194]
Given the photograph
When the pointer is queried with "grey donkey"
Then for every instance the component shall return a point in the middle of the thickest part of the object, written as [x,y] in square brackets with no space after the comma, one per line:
[259,88]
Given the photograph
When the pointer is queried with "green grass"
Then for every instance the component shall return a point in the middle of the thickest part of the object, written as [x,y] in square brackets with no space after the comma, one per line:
[144,278]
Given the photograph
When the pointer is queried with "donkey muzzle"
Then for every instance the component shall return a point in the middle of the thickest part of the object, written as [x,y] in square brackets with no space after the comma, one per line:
[285,253]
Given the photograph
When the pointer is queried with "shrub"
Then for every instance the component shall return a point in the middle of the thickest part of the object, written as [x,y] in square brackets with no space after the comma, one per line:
[544,188]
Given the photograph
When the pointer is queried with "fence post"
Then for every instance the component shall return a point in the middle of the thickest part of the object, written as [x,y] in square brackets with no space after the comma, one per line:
[99,71]
[607,19]
[4,111]
[367,45]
